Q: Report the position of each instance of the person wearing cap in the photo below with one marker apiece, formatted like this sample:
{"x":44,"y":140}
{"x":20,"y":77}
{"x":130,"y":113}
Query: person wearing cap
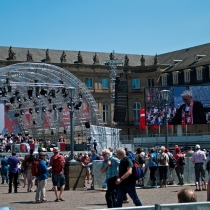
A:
{"x":41,"y":179}
{"x":199,"y":158}
{"x":58,"y":177}
{"x":179,"y":168}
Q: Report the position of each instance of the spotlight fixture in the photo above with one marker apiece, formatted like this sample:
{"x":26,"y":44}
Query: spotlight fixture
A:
{"x":43,"y":92}
{"x":24,"y":98}
{"x":44,"y":109}
{"x":52,"y":93}
{"x":17,"y":92}
{"x":30,"y":93}
{"x":17,"y":114}
{"x":52,"y":132}
{"x":22,"y":112}
{"x":9,"y":88}
{"x":60,"y":109}
{"x":18,"y":98}
{"x":64,"y":131}
{"x":34,"y":122}
{"x":60,"y":81}
{"x":37,"y":110}
{"x":31,"y":111}
{"x":37,"y":92}
{"x":12,"y":100}
{"x":49,"y":100}
{"x":69,"y":105}
{"x":78,"y":105}
{"x":64,"y":92}
{"x":7,"y":80}
{"x":54,"y":107}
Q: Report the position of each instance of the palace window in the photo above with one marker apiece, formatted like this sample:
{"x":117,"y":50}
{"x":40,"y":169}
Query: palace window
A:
{"x":136,"y":108}
{"x":187,"y":76}
{"x":199,"y":73}
{"x":104,"y":83}
{"x":175,"y":78}
{"x":136,"y":83}
{"x":89,"y":82}
{"x":105,"y":113}
{"x":150,"y":82}
{"x":164,"y":80}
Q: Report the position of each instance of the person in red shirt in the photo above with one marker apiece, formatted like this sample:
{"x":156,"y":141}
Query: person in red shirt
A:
{"x":179,"y":168}
{"x":57,"y":162}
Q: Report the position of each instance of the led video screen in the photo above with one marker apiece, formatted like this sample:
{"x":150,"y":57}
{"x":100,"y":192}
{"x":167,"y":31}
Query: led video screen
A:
{"x":185,"y":105}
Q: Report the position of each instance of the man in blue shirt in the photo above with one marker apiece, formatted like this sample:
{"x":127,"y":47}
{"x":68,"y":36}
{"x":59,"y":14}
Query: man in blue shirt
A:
{"x":4,"y":169}
{"x":13,"y":162}
{"x":42,"y":179}
{"x":110,"y":167}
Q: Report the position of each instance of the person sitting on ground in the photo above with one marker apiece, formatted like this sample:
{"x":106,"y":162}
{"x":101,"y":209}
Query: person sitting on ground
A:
{"x":186,"y":195}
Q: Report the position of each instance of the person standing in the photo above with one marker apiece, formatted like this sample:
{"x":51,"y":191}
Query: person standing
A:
{"x":58,"y":178}
{"x":126,"y":182}
{"x":13,"y":162}
{"x":95,"y":144}
{"x":199,"y":158}
{"x":30,"y":178}
{"x":41,"y":179}
{"x":4,"y":169}
{"x":179,"y":167}
{"x":153,"y":166}
{"x":189,"y":152}
{"x":163,"y":160}
{"x":110,"y":167}
{"x":208,"y":169}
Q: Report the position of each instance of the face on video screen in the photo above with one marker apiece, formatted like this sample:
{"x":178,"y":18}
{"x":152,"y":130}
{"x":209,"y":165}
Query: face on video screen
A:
{"x":185,"y":105}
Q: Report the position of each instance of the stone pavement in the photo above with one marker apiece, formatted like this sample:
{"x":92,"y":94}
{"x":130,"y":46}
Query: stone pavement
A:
{"x":87,"y":199}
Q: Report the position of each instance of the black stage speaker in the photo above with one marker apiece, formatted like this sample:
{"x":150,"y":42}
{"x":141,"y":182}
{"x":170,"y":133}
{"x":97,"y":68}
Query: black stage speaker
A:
{"x":120,"y":100}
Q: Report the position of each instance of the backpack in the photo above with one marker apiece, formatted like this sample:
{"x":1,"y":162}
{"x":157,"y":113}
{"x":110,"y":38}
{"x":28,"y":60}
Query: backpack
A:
{"x":172,"y":161}
{"x":57,"y":164}
{"x":181,"y":161}
{"x":140,"y":159}
{"x":35,"y":168}
{"x":137,"y":172}
{"x":208,"y":165}
{"x":162,"y":159}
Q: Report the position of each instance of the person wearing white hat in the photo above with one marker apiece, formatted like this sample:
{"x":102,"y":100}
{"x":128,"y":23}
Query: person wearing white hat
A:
{"x":199,"y":158}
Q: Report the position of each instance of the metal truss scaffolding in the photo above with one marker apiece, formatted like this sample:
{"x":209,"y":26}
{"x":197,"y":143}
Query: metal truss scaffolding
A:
{"x":36,"y":94}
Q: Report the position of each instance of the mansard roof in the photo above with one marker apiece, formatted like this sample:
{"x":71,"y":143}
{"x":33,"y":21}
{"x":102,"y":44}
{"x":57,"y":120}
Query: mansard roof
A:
{"x":71,"y":56}
{"x":186,"y":58}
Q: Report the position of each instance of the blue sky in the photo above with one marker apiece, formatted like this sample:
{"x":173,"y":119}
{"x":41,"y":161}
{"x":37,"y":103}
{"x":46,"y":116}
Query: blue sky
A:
{"x":125,"y":26}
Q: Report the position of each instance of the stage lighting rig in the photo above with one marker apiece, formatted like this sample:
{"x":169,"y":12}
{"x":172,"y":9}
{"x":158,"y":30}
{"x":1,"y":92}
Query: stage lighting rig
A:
{"x":44,"y":109}
{"x":12,"y":100}
{"x":60,"y":109}
{"x":30,"y":93}
{"x":54,"y":107}
{"x":43,"y":92}
{"x":22,"y":112}
{"x":37,"y":92}
{"x":37,"y":110}
{"x":18,"y":99}
{"x":31,"y":111}
{"x":52,"y":93}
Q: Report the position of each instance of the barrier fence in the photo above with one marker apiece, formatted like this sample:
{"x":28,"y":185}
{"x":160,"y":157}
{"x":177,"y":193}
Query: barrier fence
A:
{"x":189,"y":174}
{"x":175,"y":206}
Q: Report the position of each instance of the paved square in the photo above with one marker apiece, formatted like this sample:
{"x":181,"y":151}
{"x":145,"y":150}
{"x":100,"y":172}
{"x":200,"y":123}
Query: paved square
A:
{"x":87,"y":199}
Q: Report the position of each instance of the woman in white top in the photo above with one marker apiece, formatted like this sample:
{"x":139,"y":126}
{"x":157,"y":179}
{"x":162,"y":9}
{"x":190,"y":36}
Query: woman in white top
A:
{"x":163,"y":160}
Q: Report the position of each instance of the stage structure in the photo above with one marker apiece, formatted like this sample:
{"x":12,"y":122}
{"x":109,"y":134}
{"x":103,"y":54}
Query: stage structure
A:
{"x":36,"y":95}
{"x":113,"y":63}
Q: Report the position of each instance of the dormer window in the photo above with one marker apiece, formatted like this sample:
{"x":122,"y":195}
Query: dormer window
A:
{"x":199,"y":57}
{"x":175,"y":62}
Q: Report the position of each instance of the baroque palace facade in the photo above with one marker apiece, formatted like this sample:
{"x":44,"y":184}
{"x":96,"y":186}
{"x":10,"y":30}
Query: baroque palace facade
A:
{"x":182,"y":67}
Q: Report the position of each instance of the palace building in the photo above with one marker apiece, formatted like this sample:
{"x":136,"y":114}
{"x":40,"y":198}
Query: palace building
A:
{"x":189,"y":66}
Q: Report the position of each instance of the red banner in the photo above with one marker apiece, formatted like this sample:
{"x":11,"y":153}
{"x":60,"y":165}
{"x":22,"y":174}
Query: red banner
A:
{"x":142,"y":125}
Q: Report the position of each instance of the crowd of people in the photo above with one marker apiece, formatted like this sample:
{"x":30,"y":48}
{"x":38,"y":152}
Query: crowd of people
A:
{"x":117,"y":166}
